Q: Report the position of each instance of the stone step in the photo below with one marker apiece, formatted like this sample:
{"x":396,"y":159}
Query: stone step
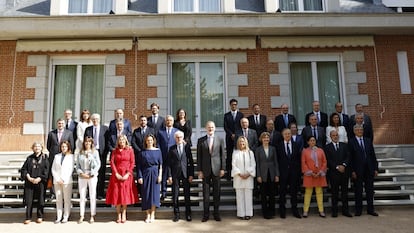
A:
{"x":400,"y":168}
{"x":390,"y":161}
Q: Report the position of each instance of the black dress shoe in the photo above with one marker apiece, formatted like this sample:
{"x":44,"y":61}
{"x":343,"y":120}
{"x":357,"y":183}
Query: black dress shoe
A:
{"x":188,"y":218}
{"x":247,"y":218}
{"x":204,"y":219}
{"x":296,"y":214}
{"x":282,"y":215}
{"x":334,"y":214}
{"x":373,"y":213}
{"x":176,"y":218}
{"x":162,"y":198}
{"x":217,"y":218}
{"x":347,"y":214}
{"x":358,"y":213}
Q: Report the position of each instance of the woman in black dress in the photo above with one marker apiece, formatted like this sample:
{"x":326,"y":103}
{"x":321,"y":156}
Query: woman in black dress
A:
{"x":35,"y":172}
{"x":182,"y":123}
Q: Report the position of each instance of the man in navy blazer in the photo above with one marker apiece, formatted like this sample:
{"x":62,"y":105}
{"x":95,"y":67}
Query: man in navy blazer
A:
{"x":322,"y":118}
{"x":100,"y":134}
{"x":368,"y":131}
{"x":155,"y":121}
{"x":283,"y":120}
{"x":313,"y":129}
{"x":364,"y":169}
{"x":165,"y":140}
{"x":113,"y":135}
{"x":289,"y":159}
{"x":257,"y":121}
{"x":70,"y":124}
{"x":139,"y":135}
{"x":343,"y":118}
{"x":231,"y":125}
{"x":119,"y":115}
{"x":180,"y":169}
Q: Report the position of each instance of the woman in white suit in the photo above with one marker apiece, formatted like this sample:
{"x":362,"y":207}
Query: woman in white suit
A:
{"x":62,"y":170}
{"x":87,"y":168}
{"x":243,"y":173}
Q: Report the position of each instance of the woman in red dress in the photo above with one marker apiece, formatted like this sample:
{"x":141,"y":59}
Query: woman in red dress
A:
{"x":122,"y":190}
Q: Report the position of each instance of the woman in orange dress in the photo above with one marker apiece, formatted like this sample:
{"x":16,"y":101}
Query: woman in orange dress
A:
{"x":122,"y":190}
{"x":314,"y":167}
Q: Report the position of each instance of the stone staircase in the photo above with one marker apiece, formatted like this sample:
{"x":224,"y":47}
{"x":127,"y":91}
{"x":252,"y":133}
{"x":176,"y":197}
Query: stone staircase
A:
{"x":393,"y":186}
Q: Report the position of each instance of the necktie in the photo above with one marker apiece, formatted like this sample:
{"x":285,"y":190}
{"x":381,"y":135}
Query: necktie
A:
{"x":168,"y":133}
{"x":257,"y":120}
{"x":142,"y":131}
{"x":67,"y":124}
{"x":336,"y":146}
{"x":245,"y":132}
{"x":180,"y":150}
{"x":286,"y":120}
{"x":315,"y":134}
{"x":95,"y":137}
{"x":288,"y":150}
{"x":361,"y":143}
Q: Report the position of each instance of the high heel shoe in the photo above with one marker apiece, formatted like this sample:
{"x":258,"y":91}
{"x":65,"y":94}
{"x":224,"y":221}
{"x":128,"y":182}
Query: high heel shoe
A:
{"x":80,"y":220}
{"x":91,"y":220}
{"x":322,"y":214}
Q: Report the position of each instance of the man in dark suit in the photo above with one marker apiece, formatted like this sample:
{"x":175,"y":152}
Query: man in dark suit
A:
{"x":165,"y":140}
{"x":359,"y":109}
{"x":231,"y":125}
{"x":155,"y":121}
{"x":289,"y":159}
{"x":322,"y":118}
{"x":114,"y":135}
{"x":257,"y":121}
{"x":139,"y":135}
{"x":250,"y":134}
{"x":275,"y":136}
{"x":211,"y":162}
{"x":338,"y":157}
{"x":119,"y":115}
{"x":180,"y":169}
{"x":99,"y":133}
{"x":368,"y":131}
{"x":295,"y":136}
{"x":343,"y":118}
{"x":283,"y":120}
{"x":70,"y":124}
{"x":54,"y":138}
{"x":267,"y":175}
{"x":364,"y":169}
{"x":314,"y":130}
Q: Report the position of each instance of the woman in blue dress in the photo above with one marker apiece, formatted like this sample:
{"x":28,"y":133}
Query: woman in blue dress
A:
{"x":149,"y":176}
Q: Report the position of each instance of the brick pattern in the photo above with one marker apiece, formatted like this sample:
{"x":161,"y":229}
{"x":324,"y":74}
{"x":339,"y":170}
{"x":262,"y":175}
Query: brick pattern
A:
{"x":392,"y":126}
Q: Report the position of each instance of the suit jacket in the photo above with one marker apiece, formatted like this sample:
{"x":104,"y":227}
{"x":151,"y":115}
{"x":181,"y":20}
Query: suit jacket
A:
{"x":280,"y":122}
{"x":180,"y":164}
{"x":307,"y":132}
{"x":214,"y":162}
{"x":299,"y":141}
{"x":113,"y":137}
{"x":368,"y":132}
{"x":267,"y":165}
{"x":138,"y":138}
{"x":251,"y":138}
{"x":165,"y":142}
{"x":363,"y":158}
{"x":53,"y":144}
{"x":275,"y":138}
{"x":72,"y":127}
{"x":63,"y":170}
{"x":127,"y":126}
{"x":324,"y":119}
{"x":259,"y":128}
{"x":288,"y":165}
{"x":336,"y":158}
{"x":187,"y":129}
{"x":231,"y":126}
{"x":102,"y":137}
{"x":156,"y":125}
{"x":345,"y":122}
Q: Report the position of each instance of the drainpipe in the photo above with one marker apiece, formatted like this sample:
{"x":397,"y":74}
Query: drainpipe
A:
{"x":135,"y":45}
{"x":12,"y":87}
{"x":378,"y":81}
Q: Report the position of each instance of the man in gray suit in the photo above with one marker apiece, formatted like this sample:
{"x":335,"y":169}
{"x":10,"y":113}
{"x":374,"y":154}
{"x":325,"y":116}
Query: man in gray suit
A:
{"x":313,"y":129}
{"x":212,"y":162}
{"x":250,"y":134}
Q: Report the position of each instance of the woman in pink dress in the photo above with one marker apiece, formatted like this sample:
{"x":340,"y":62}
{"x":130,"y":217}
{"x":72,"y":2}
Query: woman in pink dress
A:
{"x":122,"y":190}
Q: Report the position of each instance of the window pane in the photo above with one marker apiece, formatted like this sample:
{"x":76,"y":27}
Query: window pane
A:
{"x":92,"y":88}
{"x":312,"y":5}
{"x":78,"y":6}
{"x":183,"y":5}
{"x":64,"y":90}
{"x":302,"y":89}
{"x":102,"y":6}
{"x":289,"y":5}
{"x":328,"y":85}
{"x":209,"y":5}
{"x":211,"y":91}
{"x":183,"y":88}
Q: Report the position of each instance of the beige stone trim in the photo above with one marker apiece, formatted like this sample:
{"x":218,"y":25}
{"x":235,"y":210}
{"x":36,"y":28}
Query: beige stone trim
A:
{"x":73,"y":45}
{"x":316,"y":41}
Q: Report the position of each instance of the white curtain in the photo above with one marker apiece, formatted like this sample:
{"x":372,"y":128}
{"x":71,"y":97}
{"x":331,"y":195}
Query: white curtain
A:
{"x":328,"y":85}
{"x":183,"y":5}
{"x":289,"y":5}
{"x":301,"y":89}
{"x":78,"y":6}
{"x":92,"y":88}
{"x":209,"y":5}
{"x":64,"y":90}
{"x":102,"y":6}
{"x":183,"y":88}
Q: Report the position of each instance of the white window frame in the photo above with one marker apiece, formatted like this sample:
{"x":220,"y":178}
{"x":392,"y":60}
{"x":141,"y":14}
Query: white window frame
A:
{"x":79,"y":61}
{"x":301,"y":7}
{"x":197,"y":58}
{"x":196,"y":7}
{"x":90,"y":9}
{"x":322,"y":57}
